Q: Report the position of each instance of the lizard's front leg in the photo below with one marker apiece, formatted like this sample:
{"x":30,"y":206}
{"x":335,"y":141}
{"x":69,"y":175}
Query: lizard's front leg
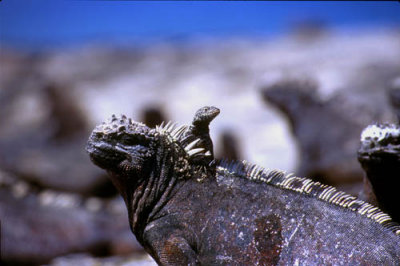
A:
{"x":171,"y":245}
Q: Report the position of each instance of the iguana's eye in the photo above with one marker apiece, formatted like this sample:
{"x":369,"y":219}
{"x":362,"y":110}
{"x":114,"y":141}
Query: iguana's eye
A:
{"x":129,"y":140}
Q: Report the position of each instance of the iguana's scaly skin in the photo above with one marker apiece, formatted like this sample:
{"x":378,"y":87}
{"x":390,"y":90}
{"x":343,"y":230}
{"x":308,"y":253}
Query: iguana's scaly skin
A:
{"x":233,"y":213}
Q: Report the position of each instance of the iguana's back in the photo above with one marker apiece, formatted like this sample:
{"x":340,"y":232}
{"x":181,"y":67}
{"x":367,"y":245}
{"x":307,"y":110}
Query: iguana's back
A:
{"x":237,"y":221}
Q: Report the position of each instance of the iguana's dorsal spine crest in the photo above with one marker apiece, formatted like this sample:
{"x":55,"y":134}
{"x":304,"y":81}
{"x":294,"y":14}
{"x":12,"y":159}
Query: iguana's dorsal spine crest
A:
{"x":308,"y":187}
{"x":173,"y":135}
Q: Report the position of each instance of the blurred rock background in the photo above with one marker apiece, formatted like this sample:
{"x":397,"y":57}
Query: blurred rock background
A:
{"x":296,"y":83}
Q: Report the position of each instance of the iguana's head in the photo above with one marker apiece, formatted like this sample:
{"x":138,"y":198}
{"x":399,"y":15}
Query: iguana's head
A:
{"x":144,"y":163}
{"x":122,"y":147}
{"x":129,"y":151}
{"x":288,"y":94}
{"x":379,"y":142}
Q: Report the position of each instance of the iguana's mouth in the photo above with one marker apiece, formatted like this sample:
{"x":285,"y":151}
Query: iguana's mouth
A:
{"x":105,"y":155}
{"x":379,"y":153}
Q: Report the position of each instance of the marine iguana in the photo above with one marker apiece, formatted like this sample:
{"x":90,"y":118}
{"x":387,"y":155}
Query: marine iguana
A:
{"x":327,"y":136}
{"x":230,"y":146}
{"x":379,"y":155}
{"x":153,"y":115}
{"x":394,"y":96}
{"x":240,"y":214}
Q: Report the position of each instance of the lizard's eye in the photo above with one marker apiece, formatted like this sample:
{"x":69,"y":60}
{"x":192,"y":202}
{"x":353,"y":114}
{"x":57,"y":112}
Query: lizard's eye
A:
{"x":133,"y":140}
{"x":129,"y":140}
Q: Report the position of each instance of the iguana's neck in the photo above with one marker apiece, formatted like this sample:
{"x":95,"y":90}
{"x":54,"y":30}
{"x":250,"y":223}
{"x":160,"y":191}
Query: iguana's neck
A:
{"x":152,"y":194}
{"x":295,"y":109}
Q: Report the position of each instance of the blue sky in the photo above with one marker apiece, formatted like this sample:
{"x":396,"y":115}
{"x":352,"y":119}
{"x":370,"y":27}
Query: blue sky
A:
{"x":30,"y":23}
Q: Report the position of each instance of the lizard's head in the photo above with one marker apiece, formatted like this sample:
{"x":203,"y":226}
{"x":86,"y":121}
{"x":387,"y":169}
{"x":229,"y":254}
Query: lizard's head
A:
{"x":379,"y":142}
{"x":122,"y":146}
{"x":205,"y":115}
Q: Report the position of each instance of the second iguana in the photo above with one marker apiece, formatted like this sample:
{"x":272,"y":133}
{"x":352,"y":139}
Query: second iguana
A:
{"x":233,"y":213}
{"x":379,"y":156}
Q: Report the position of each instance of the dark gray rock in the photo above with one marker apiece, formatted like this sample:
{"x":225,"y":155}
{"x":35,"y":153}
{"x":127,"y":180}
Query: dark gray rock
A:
{"x":88,"y":260}
{"x":39,"y":227}
{"x":45,"y":146}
